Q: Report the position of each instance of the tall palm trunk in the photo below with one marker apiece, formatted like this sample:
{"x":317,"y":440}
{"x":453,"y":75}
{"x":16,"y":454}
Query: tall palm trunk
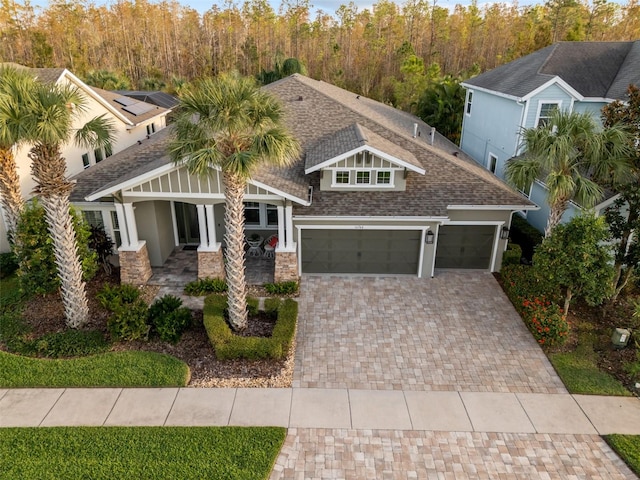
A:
{"x":556,"y":210}
{"x":48,"y":168}
{"x":10,"y":194}
{"x":234,"y":238}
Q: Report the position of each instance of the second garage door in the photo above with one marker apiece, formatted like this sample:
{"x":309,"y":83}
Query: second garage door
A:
{"x":465,"y":246}
{"x":360,"y":251}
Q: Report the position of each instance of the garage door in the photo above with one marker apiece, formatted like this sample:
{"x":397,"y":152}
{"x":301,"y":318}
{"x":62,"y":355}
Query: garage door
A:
{"x":465,"y":246}
{"x":360,"y":251}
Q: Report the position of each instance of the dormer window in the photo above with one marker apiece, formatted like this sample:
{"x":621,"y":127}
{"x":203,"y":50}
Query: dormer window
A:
{"x":363,"y":177}
{"x":342,"y":177}
{"x":384,"y":177}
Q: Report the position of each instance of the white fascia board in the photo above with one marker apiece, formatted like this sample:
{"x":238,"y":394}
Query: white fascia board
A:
{"x":492,"y":92}
{"x":606,"y":203}
{"x":493,"y":207}
{"x":555,"y":81}
{"x":161,"y":114}
{"x":367,"y":148}
{"x":132,"y":182}
{"x":369,"y":218}
{"x":598,"y":100}
{"x":93,"y":94}
{"x":280,"y":193}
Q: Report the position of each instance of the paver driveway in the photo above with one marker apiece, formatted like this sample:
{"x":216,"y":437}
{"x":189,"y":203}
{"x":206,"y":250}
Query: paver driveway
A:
{"x":457,"y":331}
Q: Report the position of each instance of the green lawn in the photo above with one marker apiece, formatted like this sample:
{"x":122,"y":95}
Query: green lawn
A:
{"x":112,"y":369}
{"x":139,"y":453}
{"x":628,"y":447}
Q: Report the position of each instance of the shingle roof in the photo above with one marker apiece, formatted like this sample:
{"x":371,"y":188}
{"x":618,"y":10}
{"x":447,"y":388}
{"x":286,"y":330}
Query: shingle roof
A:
{"x":593,"y":69}
{"x":315,"y":111}
{"x":45,"y":75}
{"x":110,"y":98}
{"x":352,"y":137}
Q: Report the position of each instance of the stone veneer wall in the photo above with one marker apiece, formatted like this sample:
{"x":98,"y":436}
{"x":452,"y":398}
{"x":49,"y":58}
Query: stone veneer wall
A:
{"x":211,"y":264}
{"x":286,"y":267}
{"x":135,"y":267}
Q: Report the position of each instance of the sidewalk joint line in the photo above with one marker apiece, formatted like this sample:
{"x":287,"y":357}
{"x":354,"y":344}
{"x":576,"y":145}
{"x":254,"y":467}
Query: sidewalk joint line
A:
{"x":585,"y":414}
{"x":464,"y":405}
{"x":350,"y":413}
{"x":233,"y":405}
{"x":408,"y":409}
{"x":526,"y":413}
{"x":171,"y":407}
{"x":112,"y":407}
{"x":52,"y":406}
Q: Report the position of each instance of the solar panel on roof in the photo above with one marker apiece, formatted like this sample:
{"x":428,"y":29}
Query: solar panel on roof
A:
{"x":138,"y":108}
{"x":126,"y":101}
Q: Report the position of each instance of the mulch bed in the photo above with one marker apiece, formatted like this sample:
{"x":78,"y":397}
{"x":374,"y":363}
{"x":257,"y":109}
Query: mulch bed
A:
{"x":45,"y":314}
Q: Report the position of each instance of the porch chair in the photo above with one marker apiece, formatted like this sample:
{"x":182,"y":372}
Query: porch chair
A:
{"x":269,"y":246}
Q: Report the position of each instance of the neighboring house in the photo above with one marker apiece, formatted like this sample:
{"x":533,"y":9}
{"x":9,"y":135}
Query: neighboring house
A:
{"x":133,"y":121}
{"x":375,"y":191}
{"x":575,"y":76}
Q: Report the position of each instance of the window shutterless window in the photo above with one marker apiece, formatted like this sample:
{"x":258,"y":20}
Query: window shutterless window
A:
{"x":252,"y":213}
{"x":342,"y":177}
{"x":93,"y":218}
{"x":85,"y":160}
{"x":98,"y":155}
{"x":116,"y":228}
{"x":363,"y":177}
{"x":108,"y":151}
{"x":469,"y":101}
{"x":383,"y":177}
{"x":151,"y":128}
{"x":493,"y":162}
{"x":546,"y":110}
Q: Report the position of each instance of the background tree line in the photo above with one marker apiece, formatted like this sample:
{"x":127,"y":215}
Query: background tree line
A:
{"x":391,"y":52}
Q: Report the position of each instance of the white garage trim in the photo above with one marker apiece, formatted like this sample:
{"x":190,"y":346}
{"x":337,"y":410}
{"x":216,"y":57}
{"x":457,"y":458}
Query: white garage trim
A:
{"x":435,"y":251}
{"x":496,"y":237}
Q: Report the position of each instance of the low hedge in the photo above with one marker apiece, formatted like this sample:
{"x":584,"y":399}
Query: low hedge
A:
{"x":532,"y":299}
{"x":512,"y":255}
{"x":525,"y":235}
{"x":229,"y":346}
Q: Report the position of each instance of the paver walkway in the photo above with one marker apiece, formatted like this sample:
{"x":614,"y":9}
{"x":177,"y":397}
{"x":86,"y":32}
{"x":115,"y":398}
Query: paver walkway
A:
{"x":455,"y":332}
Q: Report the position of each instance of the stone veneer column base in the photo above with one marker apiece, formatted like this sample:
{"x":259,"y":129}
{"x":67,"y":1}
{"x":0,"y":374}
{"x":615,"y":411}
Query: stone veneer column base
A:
{"x":286,"y":267}
{"x":211,"y":264}
{"x":135,"y":267}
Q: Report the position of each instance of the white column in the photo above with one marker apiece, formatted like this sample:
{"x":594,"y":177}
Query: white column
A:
{"x":202,"y":224}
{"x":289,"y":227}
{"x":174,"y":222}
{"x":211,"y":226}
{"x":281,"y":238}
{"x":122,"y":223}
{"x":132,"y":228}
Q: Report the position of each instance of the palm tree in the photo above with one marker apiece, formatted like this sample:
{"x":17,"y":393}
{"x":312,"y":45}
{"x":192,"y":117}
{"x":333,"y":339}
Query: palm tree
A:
{"x":53,"y":111}
{"x":15,"y":86}
{"x":229,"y":123}
{"x":570,"y":154}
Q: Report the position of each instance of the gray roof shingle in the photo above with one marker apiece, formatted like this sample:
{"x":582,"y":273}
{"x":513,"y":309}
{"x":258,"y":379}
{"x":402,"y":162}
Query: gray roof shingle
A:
{"x":316,"y":111}
{"x":593,"y":69}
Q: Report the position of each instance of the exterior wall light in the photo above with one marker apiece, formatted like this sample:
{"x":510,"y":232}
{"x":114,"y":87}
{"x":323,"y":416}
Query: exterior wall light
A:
{"x":504,"y":233}
{"x":430,"y":237}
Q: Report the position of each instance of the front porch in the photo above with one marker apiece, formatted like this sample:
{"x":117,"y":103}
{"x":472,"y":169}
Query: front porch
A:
{"x":181,"y":267}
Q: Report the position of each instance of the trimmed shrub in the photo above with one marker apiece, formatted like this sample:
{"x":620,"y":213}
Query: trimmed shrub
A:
{"x":114,"y":297}
{"x":282,"y":288}
{"x":129,"y":322}
{"x":229,"y":346}
{"x":71,"y":343}
{"x":205,"y":286}
{"x":512,"y":255}
{"x":8,"y":264}
{"x":100,"y":243}
{"x":531,"y":298}
{"x":525,"y":235}
{"x":38,"y":272}
{"x":168,"y":318}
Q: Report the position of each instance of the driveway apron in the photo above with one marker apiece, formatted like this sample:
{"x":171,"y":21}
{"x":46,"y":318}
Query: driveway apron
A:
{"x":455,"y":332}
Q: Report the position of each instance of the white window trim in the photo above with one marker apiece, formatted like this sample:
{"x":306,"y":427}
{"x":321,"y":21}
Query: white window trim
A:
{"x":262,"y":214}
{"x":362,"y":171}
{"x":490,"y":156}
{"x":545,"y":102}
{"x":373,"y":178}
{"x":468,"y":104}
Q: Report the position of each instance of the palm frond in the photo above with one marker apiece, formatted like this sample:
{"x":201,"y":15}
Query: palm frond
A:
{"x":97,"y":132}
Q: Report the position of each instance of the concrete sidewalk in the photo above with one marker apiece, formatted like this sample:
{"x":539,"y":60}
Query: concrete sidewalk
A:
{"x":322,"y":408}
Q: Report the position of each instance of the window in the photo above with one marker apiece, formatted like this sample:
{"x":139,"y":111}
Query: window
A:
{"x":469,"y":100}
{"x":93,"y":218}
{"x":383,"y":177}
{"x":260,"y":215}
{"x":151,"y":128}
{"x":545,"y":112}
{"x":116,"y":228}
{"x":98,"y":154}
{"x":363,"y":177}
{"x":252,"y":213}
{"x":492,"y":164}
{"x":527,"y":191}
{"x":108,"y":151}
{"x":342,"y":177}
{"x":85,"y":160}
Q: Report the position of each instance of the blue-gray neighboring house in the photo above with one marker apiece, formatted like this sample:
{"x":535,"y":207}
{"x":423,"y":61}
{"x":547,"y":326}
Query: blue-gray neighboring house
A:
{"x":574,"y":76}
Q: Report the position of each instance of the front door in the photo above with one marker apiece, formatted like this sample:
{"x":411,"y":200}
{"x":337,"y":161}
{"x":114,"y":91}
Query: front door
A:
{"x":187,"y":220}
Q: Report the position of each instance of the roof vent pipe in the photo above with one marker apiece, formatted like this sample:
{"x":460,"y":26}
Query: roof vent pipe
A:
{"x":415,"y":130}
{"x":433,"y":134}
